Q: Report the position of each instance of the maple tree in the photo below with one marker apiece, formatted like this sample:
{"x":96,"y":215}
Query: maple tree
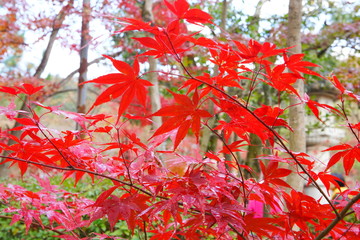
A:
{"x":209,"y":196}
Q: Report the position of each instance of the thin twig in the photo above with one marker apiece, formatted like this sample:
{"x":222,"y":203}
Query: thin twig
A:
{"x":85,"y":171}
{"x":235,"y":158}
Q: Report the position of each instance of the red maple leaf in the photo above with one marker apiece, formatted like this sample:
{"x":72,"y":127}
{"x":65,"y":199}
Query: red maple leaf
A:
{"x":26,"y":89}
{"x":313,"y":105}
{"x":256,"y":52}
{"x":229,"y":127}
{"x":185,"y":114}
{"x":167,"y":41}
{"x":335,"y":81}
{"x":327,"y":178}
{"x":262,"y":226}
{"x":296,"y":65}
{"x":127,"y":207}
{"x":243,"y":122}
{"x":181,"y":9}
{"x":219,"y":81}
{"x":29,"y":89}
{"x":134,"y":24}
{"x":272,"y":173}
{"x":126,"y":85}
{"x":349,"y":154}
{"x":271,"y":116}
{"x":233,"y":147}
{"x":280,"y":80}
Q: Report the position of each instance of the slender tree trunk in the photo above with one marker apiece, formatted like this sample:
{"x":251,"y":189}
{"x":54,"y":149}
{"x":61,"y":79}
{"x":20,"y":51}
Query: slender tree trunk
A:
{"x":224,"y":11}
{"x":254,"y":23}
{"x":208,"y":139}
{"x":84,"y":48}
{"x":297,"y":112}
{"x":154,"y":91}
{"x":148,"y":16}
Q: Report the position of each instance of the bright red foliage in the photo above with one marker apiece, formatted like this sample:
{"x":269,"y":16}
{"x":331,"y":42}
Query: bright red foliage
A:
{"x":167,"y":191}
{"x":127,"y":83}
{"x":184,"y":115}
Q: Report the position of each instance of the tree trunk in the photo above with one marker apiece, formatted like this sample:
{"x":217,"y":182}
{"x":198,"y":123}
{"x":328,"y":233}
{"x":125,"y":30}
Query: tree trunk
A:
{"x":297,"y":112}
{"x":224,"y":10}
{"x":253,"y":25}
{"x":148,"y":16}
{"x":208,"y":139}
{"x":84,"y":48}
{"x":255,"y":149}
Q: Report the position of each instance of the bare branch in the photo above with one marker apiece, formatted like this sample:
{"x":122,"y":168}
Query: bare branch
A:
{"x":80,"y":170}
{"x":96,"y":60}
{"x":59,"y":19}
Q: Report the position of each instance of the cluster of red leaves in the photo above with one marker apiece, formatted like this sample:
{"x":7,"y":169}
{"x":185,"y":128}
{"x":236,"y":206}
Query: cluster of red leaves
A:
{"x":210,"y":197}
{"x":62,"y":209}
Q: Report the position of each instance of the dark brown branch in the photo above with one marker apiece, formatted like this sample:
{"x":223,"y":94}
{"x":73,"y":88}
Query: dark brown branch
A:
{"x":342,"y":214}
{"x":96,"y":60}
{"x":58,"y":21}
{"x":81,"y":170}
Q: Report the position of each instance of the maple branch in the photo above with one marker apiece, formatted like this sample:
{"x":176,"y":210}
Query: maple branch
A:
{"x":53,"y":144}
{"x":272,"y":131}
{"x":235,"y":158}
{"x":281,"y":142}
{"x":70,"y":167}
{"x":85,"y":171}
{"x":177,"y":57}
{"x":58,"y":21}
{"x":96,"y":60}
{"x":106,"y":177}
{"x":340,"y":216}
